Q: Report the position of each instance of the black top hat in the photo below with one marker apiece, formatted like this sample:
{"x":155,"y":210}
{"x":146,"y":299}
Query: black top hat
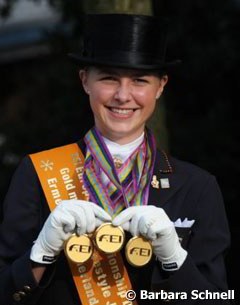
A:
{"x":125,"y":41}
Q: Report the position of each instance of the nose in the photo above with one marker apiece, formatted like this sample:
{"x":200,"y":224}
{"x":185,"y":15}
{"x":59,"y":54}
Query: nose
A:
{"x":123,"y":93}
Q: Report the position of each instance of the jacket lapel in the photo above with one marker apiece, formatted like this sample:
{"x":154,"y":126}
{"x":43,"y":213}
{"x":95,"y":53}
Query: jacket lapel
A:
{"x":82,"y":146}
{"x":165,"y":168}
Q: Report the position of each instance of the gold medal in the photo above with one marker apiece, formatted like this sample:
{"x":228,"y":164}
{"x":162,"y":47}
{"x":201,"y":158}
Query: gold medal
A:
{"x":78,"y":249}
{"x":109,"y":239}
{"x":138,"y":251}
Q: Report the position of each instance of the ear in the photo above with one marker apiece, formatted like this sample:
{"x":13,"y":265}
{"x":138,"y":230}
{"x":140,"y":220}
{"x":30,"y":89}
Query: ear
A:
{"x":83,"y":78}
{"x":163,"y":82}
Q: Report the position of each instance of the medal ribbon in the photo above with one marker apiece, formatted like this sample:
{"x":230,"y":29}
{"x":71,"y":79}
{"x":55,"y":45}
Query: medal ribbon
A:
{"x":128,"y":185}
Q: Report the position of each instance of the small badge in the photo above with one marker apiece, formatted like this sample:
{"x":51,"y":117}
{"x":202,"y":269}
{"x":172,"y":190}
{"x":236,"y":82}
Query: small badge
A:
{"x":117,"y":162}
{"x":164,"y":183}
{"x":155,"y":182}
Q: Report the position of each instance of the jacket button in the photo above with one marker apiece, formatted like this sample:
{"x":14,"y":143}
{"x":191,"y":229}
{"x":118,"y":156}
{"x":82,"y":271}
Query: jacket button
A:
{"x":22,"y":294}
{"x":27,"y":288}
{"x":17,"y":297}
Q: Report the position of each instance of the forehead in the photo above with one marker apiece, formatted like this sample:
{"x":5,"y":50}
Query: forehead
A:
{"x":123,"y":72}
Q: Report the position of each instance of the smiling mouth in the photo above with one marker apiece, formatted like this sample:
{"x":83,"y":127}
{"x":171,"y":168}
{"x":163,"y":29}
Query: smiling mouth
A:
{"x":121,"y":110}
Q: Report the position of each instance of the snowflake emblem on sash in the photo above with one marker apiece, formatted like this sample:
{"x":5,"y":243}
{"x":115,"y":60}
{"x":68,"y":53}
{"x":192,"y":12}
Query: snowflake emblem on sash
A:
{"x":47,"y":165}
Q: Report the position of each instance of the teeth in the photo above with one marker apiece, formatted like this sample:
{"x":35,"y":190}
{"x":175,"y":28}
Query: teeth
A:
{"x":121,"y":111}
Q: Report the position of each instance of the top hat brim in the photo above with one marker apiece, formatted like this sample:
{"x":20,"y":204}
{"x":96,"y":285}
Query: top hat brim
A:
{"x":83,"y":62}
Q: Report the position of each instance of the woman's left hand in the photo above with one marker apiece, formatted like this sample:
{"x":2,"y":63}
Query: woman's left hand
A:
{"x":154,"y":224}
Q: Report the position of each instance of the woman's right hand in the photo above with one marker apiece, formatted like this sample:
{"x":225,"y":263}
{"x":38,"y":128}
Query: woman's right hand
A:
{"x":70,"y":216}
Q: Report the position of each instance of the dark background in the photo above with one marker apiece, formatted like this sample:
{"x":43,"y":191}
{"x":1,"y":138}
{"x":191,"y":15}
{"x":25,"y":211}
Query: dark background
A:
{"x":42,"y":104}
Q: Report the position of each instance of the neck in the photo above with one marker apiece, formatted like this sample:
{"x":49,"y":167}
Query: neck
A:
{"x":129,"y":144}
{"x":121,"y":139}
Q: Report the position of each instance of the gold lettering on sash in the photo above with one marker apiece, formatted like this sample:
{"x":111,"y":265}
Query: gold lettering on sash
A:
{"x":103,"y":279}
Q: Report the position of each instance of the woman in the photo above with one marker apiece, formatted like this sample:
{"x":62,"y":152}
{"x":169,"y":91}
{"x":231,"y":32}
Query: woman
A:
{"x":176,"y":206}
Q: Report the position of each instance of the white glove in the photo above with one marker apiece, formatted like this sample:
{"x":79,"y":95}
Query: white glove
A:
{"x":154,"y":224}
{"x":70,"y":216}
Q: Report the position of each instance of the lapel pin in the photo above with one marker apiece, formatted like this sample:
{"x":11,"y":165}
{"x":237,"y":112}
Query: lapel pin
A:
{"x":155,"y":182}
{"x":164,"y":183}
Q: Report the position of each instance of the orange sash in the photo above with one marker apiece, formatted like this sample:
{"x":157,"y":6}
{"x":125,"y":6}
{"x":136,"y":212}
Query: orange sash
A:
{"x":104,"y":280}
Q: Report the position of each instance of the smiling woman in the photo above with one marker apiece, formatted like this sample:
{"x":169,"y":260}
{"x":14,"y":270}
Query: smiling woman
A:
{"x":116,"y":174}
{"x":122,"y":100}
